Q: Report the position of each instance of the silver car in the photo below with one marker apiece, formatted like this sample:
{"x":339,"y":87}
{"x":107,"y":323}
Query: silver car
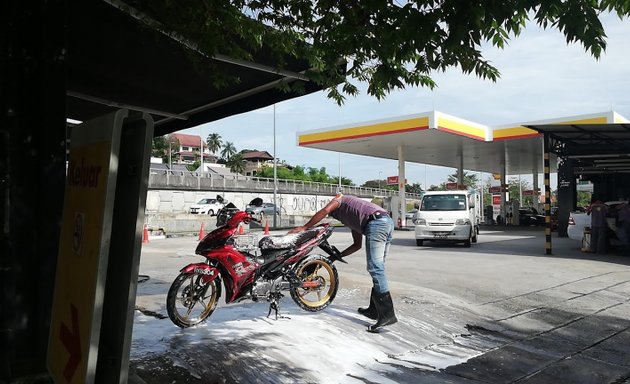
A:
{"x":265,"y":208}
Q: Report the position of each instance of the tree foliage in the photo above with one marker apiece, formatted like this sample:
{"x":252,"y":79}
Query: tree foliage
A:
{"x":387,"y":44}
{"x":382,"y":184}
{"x":471,"y":180}
{"x":160,"y":147}
{"x":236,"y":163}
{"x":318,"y":175}
{"x":228,"y":150}
{"x":214,"y":142}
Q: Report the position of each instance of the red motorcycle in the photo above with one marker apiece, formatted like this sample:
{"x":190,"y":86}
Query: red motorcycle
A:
{"x":253,"y":271}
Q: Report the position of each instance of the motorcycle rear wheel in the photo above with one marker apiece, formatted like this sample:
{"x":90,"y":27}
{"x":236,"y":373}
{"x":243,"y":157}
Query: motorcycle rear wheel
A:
{"x":315,"y":269}
{"x":190,"y":301}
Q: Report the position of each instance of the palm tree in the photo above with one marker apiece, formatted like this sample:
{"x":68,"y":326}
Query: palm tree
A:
{"x":214,"y":142}
{"x":228,"y":150}
{"x":470,"y":179}
{"x":236,"y":163}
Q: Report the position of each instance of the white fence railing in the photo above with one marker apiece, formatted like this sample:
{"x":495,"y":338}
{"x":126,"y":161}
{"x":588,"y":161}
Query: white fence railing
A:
{"x":211,"y":181}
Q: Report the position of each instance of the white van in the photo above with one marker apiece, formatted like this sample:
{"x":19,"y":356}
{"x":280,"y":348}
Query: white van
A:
{"x":447,"y":215}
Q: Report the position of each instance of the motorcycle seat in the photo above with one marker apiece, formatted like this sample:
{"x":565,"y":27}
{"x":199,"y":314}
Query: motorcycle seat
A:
{"x":286,"y":241}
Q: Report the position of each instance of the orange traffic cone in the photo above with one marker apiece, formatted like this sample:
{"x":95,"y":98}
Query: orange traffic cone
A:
{"x":145,"y":235}
{"x":202,"y":232}
{"x":266,"y":226}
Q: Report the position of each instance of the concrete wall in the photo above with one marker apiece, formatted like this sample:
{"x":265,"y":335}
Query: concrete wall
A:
{"x":176,"y":202}
{"x":168,"y":209}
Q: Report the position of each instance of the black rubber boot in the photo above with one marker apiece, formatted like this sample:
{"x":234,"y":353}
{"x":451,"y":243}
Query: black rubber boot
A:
{"x":385,"y":309}
{"x":370,"y":312}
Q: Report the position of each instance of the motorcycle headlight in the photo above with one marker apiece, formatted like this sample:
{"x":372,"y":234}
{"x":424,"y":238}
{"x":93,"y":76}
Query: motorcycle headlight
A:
{"x":462,"y":221}
{"x":419,"y":221}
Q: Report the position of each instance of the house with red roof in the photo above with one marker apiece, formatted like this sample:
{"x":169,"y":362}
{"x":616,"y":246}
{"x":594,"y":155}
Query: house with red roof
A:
{"x":189,"y":149}
{"x":255,"y":160}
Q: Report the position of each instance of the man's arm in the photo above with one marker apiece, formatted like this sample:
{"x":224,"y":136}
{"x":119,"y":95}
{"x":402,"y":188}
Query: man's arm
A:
{"x":317,"y":217}
{"x":356,"y":245}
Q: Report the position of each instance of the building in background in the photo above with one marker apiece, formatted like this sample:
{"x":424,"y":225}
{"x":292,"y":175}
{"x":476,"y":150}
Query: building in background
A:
{"x":190,"y":150}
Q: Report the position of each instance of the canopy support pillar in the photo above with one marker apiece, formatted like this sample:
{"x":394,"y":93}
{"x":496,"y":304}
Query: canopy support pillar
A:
{"x":401,"y":186}
{"x":547,"y":194}
{"x":460,"y":168}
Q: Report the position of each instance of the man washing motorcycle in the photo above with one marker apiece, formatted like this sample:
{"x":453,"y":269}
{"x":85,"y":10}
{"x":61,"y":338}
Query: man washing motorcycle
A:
{"x":365,"y":218}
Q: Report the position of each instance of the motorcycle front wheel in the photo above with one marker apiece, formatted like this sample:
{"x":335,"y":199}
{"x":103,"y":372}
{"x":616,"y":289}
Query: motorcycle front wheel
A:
{"x":318,"y":286}
{"x":190,"y":301}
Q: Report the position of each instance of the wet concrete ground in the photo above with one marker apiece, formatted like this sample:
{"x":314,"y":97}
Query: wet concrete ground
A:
{"x":499,"y":312}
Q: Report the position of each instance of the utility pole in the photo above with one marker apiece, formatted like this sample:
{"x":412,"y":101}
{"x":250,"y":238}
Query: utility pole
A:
{"x":275,"y":170}
{"x":201,"y":152}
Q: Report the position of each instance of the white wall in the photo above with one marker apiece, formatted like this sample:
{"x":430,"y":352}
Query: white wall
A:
{"x":166,"y":201}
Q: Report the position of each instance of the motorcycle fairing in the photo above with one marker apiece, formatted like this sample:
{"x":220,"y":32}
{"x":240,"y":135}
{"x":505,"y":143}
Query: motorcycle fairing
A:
{"x":214,"y":239}
{"x":240,"y":270}
{"x":208,"y":272}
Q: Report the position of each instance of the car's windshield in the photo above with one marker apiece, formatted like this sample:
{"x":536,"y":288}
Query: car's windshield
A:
{"x":443,"y":203}
{"x":206,"y":201}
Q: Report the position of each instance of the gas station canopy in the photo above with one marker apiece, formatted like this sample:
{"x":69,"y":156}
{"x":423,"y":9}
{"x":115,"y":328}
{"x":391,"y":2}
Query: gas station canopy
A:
{"x":439,"y":139}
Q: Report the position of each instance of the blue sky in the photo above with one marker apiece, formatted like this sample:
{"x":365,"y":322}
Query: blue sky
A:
{"x":541,"y":77}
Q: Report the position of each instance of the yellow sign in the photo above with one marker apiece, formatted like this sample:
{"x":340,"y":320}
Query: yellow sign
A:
{"x":496,"y":176}
{"x":79,"y":260}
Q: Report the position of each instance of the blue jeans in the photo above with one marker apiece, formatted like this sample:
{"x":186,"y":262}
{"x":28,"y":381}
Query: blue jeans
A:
{"x":378,"y":236}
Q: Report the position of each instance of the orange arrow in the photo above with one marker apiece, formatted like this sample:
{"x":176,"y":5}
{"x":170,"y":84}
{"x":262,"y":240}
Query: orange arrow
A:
{"x":72,"y":342}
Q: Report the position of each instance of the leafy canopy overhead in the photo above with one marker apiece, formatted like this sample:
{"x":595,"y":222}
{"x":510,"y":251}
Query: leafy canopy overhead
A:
{"x":387,"y":44}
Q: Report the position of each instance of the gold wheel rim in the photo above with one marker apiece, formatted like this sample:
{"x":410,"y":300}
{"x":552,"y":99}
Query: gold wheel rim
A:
{"x":207,"y":308}
{"x":323,"y":295}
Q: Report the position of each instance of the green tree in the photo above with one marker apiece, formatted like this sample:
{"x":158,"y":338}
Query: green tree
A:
{"x":194,"y":166}
{"x":228,"y":150}
{"x":163,"y":147}
{"x":305,"y":174}
{"x":388,"y":44}
{"x":470,"y":179}
{"x":214,"y":142}
{"x":299,"y":173}
{"x":159,"y":147}
{"x":236,"y":163}
{"x":344,"y":181}
{"x":373,"y":184}
{"x":583,"y":199}
{"x":318,"y":175}
{"x":515,"y":192}
{"x":414,"y":188}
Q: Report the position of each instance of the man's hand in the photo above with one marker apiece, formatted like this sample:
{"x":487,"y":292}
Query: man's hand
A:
{"x":297,"y":229}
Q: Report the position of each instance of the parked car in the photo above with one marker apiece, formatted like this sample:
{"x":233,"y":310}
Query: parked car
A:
{"x":265,"y":208}
{"x":578,"y":220}
{"x":410,"y":215}
{"x":206,"y":207}
{"x":529,"y":216}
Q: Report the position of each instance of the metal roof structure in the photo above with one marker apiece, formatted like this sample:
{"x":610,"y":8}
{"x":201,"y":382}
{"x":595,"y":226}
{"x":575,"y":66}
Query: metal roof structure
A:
{"x":116,"y":58}
{"x":596,"y":148}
